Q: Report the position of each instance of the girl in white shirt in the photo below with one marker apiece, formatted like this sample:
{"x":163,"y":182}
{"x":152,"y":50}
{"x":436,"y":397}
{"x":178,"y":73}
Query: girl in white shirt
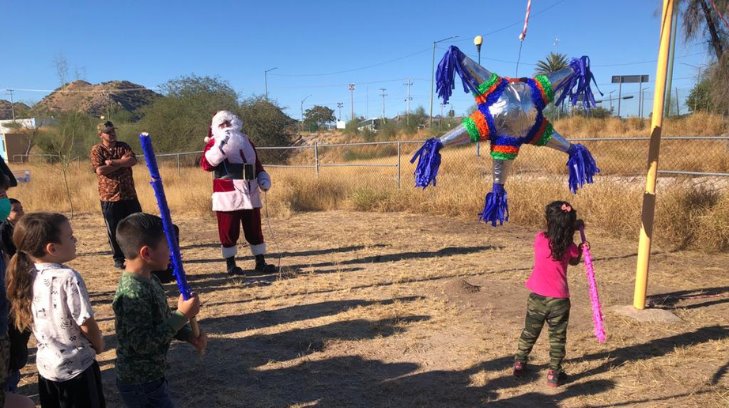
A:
{"x":52,"y":299}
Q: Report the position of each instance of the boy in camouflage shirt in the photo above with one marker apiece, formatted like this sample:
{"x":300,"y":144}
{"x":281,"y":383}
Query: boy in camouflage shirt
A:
{"x":145,"y":325}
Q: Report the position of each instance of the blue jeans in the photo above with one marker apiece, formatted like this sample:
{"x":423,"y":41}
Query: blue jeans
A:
{"x":146,"y":395}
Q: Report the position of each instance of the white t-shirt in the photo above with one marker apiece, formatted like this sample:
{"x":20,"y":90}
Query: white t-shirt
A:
{"x":60,"y":305}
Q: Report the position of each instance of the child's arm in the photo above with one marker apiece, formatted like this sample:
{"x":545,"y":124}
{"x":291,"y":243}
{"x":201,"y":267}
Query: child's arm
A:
{"x":575,"y":261}
{"x":91,"y":330}
{"x":142,"y":332}
{"x":80,"y":310}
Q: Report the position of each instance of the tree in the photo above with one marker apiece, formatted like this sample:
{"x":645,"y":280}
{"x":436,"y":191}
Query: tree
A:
{"x":179,"y":120}
{"x":701,"y":20}
{"x":68,"y":141}
{"x":318,"y":116}
{"x":266,"y":124}
{"x":700,"y":97}
{"x":554,"y":62}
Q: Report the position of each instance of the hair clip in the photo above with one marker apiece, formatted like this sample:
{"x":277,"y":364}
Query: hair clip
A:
{"x":566,"y":208}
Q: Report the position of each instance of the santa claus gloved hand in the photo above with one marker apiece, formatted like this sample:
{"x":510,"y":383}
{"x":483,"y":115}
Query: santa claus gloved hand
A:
{"x":264,"y":181}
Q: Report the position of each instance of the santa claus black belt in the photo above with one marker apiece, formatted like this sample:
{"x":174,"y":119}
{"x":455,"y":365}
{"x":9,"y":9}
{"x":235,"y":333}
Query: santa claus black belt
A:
{"x":235,"y":171}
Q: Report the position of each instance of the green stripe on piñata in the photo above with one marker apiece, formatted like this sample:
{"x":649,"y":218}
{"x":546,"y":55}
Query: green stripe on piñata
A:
{"x":485,"y":86}
{"x":546,"y":136}
{"x":547,"y":86}
{"x":503,"y":156}
{"x":472,"y":129}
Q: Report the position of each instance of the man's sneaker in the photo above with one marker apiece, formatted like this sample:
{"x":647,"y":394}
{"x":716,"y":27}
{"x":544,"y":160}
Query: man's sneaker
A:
{"x":555,"y":379}
{"x":119,"y":263}
{"x":519,"y":368}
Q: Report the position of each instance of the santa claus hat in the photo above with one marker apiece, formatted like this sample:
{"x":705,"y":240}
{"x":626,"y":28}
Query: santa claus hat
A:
{"x":223,"y":116}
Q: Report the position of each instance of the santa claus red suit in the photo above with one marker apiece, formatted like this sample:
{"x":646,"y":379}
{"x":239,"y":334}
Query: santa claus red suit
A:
{"x":239,"y":176}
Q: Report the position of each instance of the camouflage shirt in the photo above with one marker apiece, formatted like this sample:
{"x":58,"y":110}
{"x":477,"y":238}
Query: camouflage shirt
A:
{"x":145,"y":327}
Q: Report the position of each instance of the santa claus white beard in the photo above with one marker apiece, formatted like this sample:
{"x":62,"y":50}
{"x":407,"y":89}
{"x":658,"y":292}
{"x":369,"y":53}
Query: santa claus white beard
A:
{"x":235,"y":138}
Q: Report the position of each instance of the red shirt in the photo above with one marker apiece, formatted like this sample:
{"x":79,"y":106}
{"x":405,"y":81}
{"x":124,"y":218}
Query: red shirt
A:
{"x":549,"y":277}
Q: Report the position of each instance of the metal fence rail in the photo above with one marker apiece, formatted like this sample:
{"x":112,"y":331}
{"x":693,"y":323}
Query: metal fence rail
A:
{"x":691,"y":156}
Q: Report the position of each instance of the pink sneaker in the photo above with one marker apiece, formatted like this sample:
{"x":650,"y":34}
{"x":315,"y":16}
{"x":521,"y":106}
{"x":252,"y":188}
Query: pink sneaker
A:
{"x":555,"y":379}
{"x":519,"y":368}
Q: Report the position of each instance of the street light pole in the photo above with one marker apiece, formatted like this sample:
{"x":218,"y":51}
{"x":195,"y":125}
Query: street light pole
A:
{"x":302,"y":112}
{"x":642,"y":99}
{"x":477,"y":41}
{"x":432,"y":79}
{"x":265,"y":79}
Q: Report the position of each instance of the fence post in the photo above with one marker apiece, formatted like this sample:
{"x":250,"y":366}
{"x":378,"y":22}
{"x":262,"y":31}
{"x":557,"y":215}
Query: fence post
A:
{"x":178,"y":164}
{"x":316,"y":157}
{"x":398,"y":164}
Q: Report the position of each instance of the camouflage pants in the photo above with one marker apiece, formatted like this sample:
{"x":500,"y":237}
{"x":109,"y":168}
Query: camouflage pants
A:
{"x":556,"y":312}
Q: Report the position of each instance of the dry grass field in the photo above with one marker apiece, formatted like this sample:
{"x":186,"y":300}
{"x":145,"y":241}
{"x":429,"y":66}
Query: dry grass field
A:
{"x":401,"y":310}
{"x":399,"y":298}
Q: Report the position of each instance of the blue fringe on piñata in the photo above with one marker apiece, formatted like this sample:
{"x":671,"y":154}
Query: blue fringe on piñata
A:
{"x":578,"y":86}
{"x":428,"y":162}
{"x":448,"y":66}
{"x":581,"y":166}
{"x":495,"y":208}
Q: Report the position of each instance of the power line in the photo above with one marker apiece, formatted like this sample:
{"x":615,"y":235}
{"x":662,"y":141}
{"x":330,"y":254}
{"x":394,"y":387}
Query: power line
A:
{"x":356,"y":69}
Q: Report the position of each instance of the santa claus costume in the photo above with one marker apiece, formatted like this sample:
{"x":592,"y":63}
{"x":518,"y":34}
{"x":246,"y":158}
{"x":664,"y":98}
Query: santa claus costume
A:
{"x":239,"y":176}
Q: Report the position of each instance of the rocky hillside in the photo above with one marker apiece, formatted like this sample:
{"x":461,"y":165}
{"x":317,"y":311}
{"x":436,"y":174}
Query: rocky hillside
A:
{"x":98,"y":99}
{"x":6,"y":109}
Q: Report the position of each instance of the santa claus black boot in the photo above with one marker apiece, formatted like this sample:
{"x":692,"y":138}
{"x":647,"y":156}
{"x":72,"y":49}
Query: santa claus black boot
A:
{"x":233,"y":269}
{"x":263,"y":267}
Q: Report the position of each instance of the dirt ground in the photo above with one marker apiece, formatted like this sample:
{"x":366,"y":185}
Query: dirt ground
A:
{"x":401,"y":310}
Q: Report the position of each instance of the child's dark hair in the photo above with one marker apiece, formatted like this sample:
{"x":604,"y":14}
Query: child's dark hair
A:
{"x":13,"y":201}
{"x":138,"y":230}
{"x":561,"y":222}
{"x":31,"y":235}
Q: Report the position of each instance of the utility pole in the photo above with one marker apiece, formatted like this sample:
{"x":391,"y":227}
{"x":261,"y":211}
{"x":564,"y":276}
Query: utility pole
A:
{"x":12,"y":104}
{"x":671,"y":57}
{"x":351,"y":94}
{"x":610,"y":96}
{"x":678,"y":108}
{"x":408,"y":98}
{"x":432,"y":79}
{"x":383,"y":95}
{"x":339,"y":106}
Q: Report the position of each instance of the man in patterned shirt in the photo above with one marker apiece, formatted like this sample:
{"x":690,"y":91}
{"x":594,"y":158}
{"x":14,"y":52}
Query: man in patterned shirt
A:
{"x":112,"y":162}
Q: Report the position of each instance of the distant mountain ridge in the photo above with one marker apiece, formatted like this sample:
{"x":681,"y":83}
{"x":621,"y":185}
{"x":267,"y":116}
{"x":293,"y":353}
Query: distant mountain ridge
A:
{"x":6,"y":109}
{"x":97,"y":99}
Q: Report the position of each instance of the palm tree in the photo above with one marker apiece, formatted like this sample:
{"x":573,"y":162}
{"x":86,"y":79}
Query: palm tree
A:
{"x":700,"y":19}
{"x":554,"y":62}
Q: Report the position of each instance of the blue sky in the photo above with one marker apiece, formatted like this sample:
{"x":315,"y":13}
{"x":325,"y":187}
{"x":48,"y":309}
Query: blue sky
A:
{"x":318,"y":47}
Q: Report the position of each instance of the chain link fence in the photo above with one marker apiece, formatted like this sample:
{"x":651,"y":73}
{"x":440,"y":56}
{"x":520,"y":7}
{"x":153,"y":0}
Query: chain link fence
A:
{"x":390,"y":161}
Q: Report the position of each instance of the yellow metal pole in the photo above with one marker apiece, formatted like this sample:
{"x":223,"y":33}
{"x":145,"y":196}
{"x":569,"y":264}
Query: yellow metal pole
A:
{"x":649,"y":197}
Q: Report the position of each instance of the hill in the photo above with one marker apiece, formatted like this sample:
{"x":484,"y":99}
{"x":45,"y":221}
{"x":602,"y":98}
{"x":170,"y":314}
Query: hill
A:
{"x":98,"y":99}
